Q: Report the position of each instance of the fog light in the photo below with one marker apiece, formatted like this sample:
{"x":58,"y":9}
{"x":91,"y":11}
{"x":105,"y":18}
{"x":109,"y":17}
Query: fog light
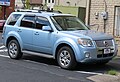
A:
{"x":87,"y":55}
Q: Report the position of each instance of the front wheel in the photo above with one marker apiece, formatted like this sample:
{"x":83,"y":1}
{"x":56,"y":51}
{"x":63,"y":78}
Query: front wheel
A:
{"x":14,"y":50}
{"x":66,"y":58}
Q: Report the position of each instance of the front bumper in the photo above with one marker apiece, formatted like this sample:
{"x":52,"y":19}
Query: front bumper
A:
{"x":95,"y":60}
{"x":97,"y":55}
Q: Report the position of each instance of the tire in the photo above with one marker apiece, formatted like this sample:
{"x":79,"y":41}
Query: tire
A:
{"x":14,"y":50}
{"x":66,"y":58}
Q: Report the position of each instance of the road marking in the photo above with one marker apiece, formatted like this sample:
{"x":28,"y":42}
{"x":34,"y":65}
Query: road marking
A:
{"x":3,"y":50}
{"x":4,"y":56}
{"x":92,"y":73}
{"x":2,"y":47}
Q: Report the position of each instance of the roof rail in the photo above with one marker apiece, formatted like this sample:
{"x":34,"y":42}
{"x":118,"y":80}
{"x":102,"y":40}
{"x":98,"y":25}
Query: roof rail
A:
{"x":37,"y":11}
{"x":26,"y":10}
{"x":49,"y":11}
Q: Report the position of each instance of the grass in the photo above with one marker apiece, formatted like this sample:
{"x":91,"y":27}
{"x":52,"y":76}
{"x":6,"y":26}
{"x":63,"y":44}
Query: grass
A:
{"x":112,"y":72}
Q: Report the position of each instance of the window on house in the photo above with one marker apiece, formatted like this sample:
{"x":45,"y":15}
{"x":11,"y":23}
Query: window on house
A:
{"x":49,"y":1}
{"x":117,"y":22}
{"x":52,"y":1}
{"x":45,"y":1}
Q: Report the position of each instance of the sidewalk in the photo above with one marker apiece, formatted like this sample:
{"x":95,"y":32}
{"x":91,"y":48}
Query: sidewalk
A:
{"x":105,"y":78}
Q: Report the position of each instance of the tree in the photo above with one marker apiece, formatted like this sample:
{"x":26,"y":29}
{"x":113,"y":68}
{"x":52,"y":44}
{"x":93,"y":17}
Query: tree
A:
{"x":28,"y":4}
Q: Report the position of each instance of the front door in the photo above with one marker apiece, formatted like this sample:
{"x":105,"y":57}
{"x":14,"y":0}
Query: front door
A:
{"x":42,"y":40}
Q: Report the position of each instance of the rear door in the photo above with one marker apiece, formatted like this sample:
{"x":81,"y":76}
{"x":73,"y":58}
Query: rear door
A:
{"x":26,"y":30}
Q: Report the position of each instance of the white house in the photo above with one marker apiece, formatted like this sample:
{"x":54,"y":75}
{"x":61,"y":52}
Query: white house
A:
{"x":18,"y":4}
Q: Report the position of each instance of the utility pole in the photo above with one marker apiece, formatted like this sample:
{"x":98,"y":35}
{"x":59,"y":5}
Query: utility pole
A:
{"x":87,"y":18}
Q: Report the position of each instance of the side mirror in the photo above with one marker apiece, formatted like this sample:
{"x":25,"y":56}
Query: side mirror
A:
{"x":47,"y":28}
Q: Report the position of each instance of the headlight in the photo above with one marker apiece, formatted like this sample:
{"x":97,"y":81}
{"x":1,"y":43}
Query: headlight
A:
{"x":85,"y":42}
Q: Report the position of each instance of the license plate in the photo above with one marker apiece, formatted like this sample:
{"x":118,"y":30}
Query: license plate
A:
{"x":107,"y":51}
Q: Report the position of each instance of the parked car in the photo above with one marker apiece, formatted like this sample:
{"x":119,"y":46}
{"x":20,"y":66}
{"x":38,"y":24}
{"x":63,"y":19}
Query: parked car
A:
{"x":55,"y":35}
{"x":2,"y":22}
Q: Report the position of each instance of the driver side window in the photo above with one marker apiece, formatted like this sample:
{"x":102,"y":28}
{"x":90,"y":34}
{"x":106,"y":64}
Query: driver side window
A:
{"x":41,"y":21}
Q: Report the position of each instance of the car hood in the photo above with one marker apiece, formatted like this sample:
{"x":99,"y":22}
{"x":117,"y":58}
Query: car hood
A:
{"x":89,"y":33}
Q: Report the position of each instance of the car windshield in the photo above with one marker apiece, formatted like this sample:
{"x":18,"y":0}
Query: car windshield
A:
{"x":68,"y":23}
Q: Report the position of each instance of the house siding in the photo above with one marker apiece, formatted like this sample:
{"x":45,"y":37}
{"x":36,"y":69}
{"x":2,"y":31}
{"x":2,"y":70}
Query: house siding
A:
{"x":98,"y":6}
{"x":36,"y":2}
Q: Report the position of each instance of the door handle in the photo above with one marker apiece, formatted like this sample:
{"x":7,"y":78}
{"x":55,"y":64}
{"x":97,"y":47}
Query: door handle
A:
{"x":19,"y":30}
{"x":36,"y":33}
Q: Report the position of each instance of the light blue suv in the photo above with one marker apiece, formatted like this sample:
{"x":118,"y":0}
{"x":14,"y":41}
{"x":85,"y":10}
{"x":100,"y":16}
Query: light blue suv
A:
{"x":54,"y":35}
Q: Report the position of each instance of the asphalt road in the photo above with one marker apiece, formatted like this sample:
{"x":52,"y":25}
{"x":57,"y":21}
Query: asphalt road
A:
{"x":33,"y":71}
{"x":38,"y":69}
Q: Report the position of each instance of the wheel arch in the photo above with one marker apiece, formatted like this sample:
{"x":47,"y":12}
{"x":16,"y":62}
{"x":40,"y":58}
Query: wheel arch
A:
{"x":9,"y":39}
{"x":60,"y":46}
{"x":13,"y":35}
{"x":72,"y":45}
{"x":15,"y":38}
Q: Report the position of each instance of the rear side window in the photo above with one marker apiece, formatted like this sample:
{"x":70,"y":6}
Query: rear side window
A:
{"x":28,"y":21}
{"x":13,"y":19}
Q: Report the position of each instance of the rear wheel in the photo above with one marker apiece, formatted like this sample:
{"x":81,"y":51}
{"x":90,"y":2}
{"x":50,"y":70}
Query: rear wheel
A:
{"x":66,"y":58}
{"x":14,"y":50}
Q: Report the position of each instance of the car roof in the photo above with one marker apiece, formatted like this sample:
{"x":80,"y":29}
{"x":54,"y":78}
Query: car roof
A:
{"x":42,"y":13}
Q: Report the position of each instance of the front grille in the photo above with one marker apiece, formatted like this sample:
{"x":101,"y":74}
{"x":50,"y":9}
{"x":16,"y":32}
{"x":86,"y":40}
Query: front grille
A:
{"x":104,"y":55}
{"x":100,"y":43}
